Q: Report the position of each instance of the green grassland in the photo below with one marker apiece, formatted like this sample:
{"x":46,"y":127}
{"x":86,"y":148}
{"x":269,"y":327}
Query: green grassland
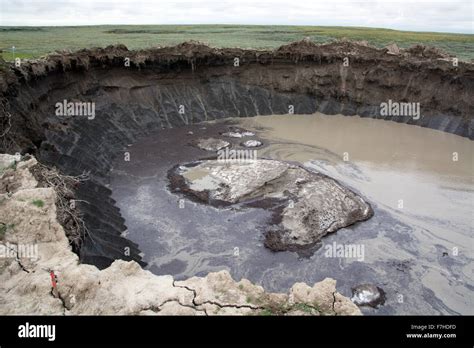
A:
{"x":32,"y":42}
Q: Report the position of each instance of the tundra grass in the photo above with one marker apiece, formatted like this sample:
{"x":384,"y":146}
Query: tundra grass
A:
{"x":31,"y":42}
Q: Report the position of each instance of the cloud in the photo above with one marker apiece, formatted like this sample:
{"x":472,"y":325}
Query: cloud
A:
{"x":424,"y":15}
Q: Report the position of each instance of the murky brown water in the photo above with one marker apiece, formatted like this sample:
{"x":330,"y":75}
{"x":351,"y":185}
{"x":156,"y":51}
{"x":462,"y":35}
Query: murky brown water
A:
{"x":423,"y":177}
{"x":418,"y":246}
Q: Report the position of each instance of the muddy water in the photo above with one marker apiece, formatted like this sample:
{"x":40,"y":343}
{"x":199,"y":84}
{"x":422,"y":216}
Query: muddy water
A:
{"x":418,"y":246}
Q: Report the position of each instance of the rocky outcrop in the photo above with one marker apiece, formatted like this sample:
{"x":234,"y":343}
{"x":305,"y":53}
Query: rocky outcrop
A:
{"x":306,"y":206}
{"x":123,"y":288}
{"x":251,"y":143}
{"x":228,"y":181}
{"x":368,"y":295}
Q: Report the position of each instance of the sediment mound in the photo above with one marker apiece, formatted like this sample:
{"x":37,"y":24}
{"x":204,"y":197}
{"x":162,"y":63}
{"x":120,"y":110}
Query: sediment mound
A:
{"x":306,"y":205}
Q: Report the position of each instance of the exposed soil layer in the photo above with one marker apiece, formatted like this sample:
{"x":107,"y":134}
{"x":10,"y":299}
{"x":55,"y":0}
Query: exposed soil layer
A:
{"x":174,"y":86}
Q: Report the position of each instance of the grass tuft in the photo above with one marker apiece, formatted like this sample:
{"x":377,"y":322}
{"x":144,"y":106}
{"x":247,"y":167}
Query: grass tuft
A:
{"x":38,"y":203}
{"x":33,"y":42}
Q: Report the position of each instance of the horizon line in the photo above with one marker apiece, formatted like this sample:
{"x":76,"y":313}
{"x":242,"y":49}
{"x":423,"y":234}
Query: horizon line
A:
{"x":242,"y":25}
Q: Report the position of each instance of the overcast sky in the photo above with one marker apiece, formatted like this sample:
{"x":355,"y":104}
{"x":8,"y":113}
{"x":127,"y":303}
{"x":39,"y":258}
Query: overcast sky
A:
{"x":423,"y":15}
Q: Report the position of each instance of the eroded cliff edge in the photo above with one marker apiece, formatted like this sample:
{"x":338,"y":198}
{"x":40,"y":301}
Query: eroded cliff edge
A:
{"x":342,"y":77}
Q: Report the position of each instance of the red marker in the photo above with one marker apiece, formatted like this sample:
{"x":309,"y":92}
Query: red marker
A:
{"x":53,"y":279}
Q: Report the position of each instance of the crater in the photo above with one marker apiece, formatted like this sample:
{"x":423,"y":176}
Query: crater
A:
{"x":183,"y":91}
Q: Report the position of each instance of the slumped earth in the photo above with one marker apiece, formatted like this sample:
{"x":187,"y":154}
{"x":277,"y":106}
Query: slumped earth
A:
{"x":417,"y":247}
